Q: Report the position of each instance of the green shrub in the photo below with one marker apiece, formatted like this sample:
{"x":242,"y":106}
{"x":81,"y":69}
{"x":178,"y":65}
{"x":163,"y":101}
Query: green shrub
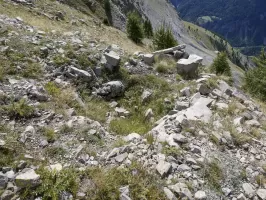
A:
{"x":19,"y":110}
{"x":255,"y":79}
{"x":52,"y":89}
{"x":134,"y":27}
{"x":142,"y":185}
{"x":147,"y":27}
{"x":65,"y":129}
{"x":214,"y":174}
{"x":59,"y":60}
{"x":150,"y":139}
{"x":165,"y":65}
{"x":220,"y":65}
{"x":7,"y":157}
{"x":54,"y":183}
{"x":163,"y":38}
{"x":125,"y":126}
{"x":33,"y":70}
{"x":49,"y":134}
{"x":107,"y":8}
{"x":172,"y":151}
{"x":55,"y":152}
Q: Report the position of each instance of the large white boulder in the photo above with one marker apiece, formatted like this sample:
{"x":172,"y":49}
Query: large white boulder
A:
{"x":112,"y":60}
{"x":189,"y":67}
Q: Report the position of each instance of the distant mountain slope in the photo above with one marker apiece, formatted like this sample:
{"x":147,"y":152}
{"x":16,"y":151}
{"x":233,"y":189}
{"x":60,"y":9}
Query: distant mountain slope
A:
{"x":241,"y":22}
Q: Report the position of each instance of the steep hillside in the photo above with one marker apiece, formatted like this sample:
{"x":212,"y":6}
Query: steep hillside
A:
{"x":241,"y":22}
{"x":85,"y":113}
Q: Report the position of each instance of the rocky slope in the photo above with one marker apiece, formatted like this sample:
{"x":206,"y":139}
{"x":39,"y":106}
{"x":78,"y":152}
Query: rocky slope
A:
{"x":83,"y":118}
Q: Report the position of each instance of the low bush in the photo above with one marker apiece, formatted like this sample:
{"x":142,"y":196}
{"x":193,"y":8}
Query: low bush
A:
{"x":220,"y":65}
{"x":142,"y":185}
{"x":255,"y":79}
{"x":214,"y":174}
{"x":163,"y":37}
{"x":55,"y":182}
{"x":165,"y":65}
{"x":19,"y":110}
{"x":134,"y":27}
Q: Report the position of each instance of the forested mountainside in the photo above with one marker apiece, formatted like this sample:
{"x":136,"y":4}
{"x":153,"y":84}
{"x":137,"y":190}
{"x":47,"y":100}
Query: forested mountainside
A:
{"x":241,"y":22}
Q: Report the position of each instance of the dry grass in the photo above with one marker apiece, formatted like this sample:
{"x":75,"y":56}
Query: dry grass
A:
{"x":101,"y":32}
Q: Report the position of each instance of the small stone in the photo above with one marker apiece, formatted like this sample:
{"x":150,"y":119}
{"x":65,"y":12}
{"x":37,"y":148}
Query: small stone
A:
{"x":226,"y":191}
{"x":261,"y":194}
{"x":253,"y":123}
{"x":195,"y":149}
{"x":3,"y":180}
{"x":131,"y":137}
{"x":200,"y":195}
{"x":149,"y":114}
{"x":169,"y":194}
{"x":241,"y":197}
{"x":113,"y":104}
{"x":2,"y":143}
{"x":163,"y":168}
{"x":185,"y":91}
{"x":56,"y":167}
{"x":248,"y":189}
{"x":10,"y":175}
{"x":182,"y":190}
{"x":203,"y":89}
{"x":113,"y":153}
{"x":27,"y":179}
{"x":29,"y":132}
{"x":239,"y":121}
{"x":179,"y":138}
{"x":120,"y":158}
{"x":183,"y":167}
{"x":146,"y":95}
{"x":7,"y":195}
{"x":121,"y":112}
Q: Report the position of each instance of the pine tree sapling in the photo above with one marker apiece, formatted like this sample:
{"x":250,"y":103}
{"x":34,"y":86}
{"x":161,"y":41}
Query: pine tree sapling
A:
{"x":148,"y":30}
{"x":107,"y":8}
{"x":220,"y":65}
{"x":134,"y":27}
{"x":255,"y":79}
{"x":163,"y":38}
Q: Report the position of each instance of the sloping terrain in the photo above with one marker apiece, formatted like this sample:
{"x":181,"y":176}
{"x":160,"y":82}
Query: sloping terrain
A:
{"x":158,"y":12}
{"x":87,"y":114}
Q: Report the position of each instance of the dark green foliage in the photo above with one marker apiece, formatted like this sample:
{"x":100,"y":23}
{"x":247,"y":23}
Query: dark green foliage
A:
{"x":148,"y":30}
{"x":7,"y":157}
{"x":255,"y":79}
{"x":220,"y":65}
{"x":107,"y":8}
{"x":134,"y":27}
{"x":163,"y":38}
